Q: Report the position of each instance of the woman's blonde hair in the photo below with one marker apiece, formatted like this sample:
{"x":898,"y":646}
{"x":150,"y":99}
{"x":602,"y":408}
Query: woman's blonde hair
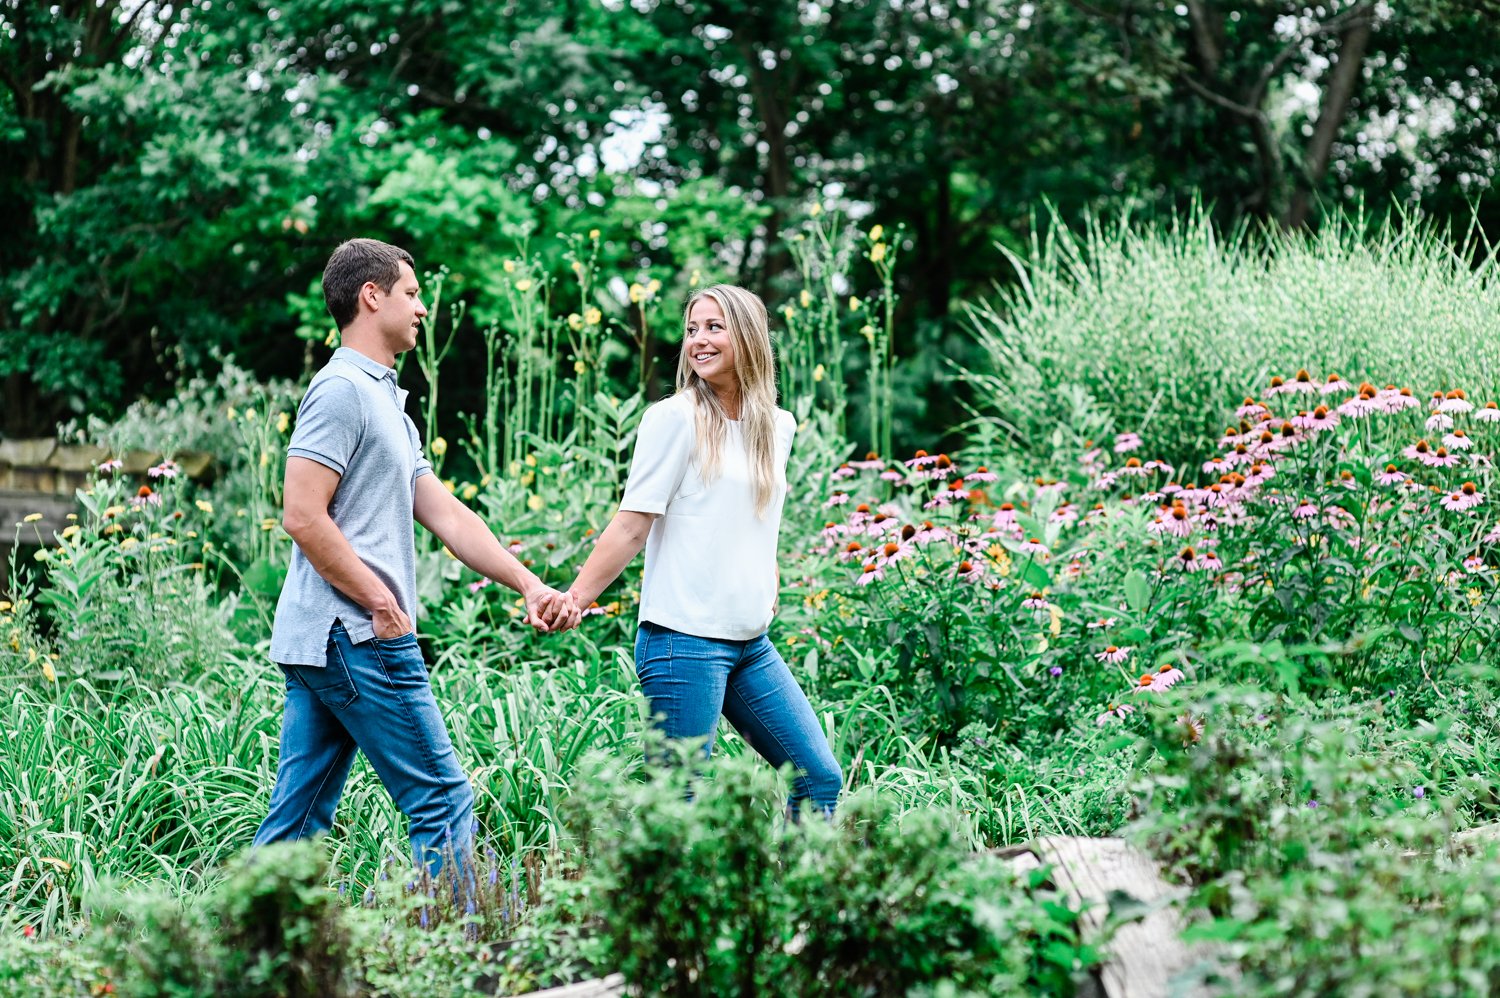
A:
{"x":755,"y":367}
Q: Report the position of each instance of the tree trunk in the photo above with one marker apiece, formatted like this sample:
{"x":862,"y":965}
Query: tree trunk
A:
{"x":1343,"y":81}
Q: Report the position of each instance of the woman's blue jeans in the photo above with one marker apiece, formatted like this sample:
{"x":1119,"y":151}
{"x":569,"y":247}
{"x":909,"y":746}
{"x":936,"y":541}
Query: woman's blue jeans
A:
{"x":372,"y":697}
{"x":690,"y":681}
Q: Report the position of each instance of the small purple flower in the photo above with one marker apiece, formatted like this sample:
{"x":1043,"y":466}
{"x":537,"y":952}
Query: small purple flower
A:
{"x":1312,"y":803}
{"x":370,"y":898}
{"x":1419,"y":792}
{"x":1056,"y":670}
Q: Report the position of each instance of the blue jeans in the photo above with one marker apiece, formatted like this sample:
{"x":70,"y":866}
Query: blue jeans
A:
{"x":690,"y":681}
{"x":372,"y":697}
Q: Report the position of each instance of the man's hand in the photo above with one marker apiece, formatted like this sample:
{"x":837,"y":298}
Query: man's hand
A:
{"x":550,"y":611}
{"x":391,"y":622}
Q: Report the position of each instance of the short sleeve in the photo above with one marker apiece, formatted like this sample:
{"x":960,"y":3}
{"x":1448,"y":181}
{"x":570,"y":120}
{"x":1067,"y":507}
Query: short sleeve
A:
{"x":663,"y":451}
{"x":424,"y":466}
{"x":329,"y":424}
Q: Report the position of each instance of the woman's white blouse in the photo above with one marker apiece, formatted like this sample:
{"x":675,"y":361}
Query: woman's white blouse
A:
{"x":710,"y":561}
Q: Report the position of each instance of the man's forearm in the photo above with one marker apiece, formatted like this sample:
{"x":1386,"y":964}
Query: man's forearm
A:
{"x":332,"y":557}
{"x":476,"y":546}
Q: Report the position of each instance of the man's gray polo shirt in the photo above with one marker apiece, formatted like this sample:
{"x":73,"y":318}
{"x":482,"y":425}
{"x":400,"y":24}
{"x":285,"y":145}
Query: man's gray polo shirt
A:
{"x":352,"y":420}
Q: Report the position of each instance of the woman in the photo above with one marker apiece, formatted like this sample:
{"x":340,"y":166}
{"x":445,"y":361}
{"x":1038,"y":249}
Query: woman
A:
{"x":704,"y":498}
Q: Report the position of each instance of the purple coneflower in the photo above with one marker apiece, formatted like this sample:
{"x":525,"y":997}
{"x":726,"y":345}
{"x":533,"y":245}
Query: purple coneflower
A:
{"x":1167,"y":677}
{"x":837,"y":499}
{"x":1101,"y":623}
{"x":1113,"y":655}
{"x":1489,"y":414}
{"x":922,"y":460}
{"x":1438,"y":422}
{"x":872,"y":462}
{"x":1474,"y":563}
{"x":1033,"y":548}
{"x":1457,"y":440}
{"x":871,"y":573}
{"x":982,"y":474}
{"x":1114,"y":714}
{"x":1391,"y":476}
{"x":892,"y":476}
{"x":1127,"y":442}
{"x":1066,"y":514}
{"x":1305,"y":510}
{"x":113,"y":464}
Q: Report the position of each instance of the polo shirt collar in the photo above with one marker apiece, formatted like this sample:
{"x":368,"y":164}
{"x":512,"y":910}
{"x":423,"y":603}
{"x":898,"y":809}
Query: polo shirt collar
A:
{"x":373,"y":368}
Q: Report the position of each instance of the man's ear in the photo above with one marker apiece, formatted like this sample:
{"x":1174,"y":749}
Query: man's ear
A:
{"x":369,"y":295}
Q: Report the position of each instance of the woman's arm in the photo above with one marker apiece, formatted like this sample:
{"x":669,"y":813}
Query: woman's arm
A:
{"x":621,"y":541}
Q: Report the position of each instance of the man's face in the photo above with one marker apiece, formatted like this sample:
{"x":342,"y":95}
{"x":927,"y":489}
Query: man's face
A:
{"x":401,"y":311}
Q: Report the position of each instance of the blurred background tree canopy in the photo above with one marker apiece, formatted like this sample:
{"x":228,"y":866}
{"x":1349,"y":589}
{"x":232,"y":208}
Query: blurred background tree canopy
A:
{"x":177,"y":174}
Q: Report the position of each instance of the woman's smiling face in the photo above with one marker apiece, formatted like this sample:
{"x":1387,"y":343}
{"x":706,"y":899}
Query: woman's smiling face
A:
{"x":708,"y":345}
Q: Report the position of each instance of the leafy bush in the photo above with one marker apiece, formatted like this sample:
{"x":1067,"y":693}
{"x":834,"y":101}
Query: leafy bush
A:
{"x":698,"y":886}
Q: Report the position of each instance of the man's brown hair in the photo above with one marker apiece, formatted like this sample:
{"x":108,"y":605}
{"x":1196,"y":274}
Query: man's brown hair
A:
{"x":354,"y":264}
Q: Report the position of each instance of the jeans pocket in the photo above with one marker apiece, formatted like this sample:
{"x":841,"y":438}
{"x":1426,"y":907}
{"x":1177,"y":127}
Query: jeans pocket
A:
{"x":332,"y":684}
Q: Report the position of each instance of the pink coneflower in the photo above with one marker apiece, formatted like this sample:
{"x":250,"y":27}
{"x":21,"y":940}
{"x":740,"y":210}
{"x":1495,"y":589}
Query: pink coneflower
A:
{"x":1049,"y":487}
{"x":1319,"y":419}
{"x":842,"y":471}
{"x":1187,"y":560}
{"x":942,"y":468}
{"x":1249,"y":409}
{"x":891,"y":552}
{"x":1435,"y":401}
{"x":870,"y":573}
{"x":1278,"y":385}
{"x":1305,"y":510}
{"x":982,"y":474}
{"x":944,"y":498}
{"x":1211,"y":562}
{"x":1391,"y":476}
{"x":922,"y":460}
{"x":1301,"y":384}
{"x":1438,"y":422}
{"x":1066,"y":514}
{"x":1177,"y":522}
{"x":1005,"y":516}
{"x":1155,"y":465}
{"x":474,"y":587}
{"x":1113,"y":655}
{"x":971,"y":571}
{"x":1335,"y":384}
{"x":1073,"y":570}
{"x":1167,"y":677}
{"x":1096,"y":514}
{"x":892,"y":476}
{"x":144,"y":496}
{"x":1127,"y":442}
{"x":1489,"y":414}
{"x":1455,"y":402}
{"x":1031,"y":547}
{"x":872,"y":462}
{"x":1457,"y":440}
{"x":1114,"y":714}
{"x":1132,"y":466}
{"x":837,"y":499}
{"x":1465,"y":498}
{"x":1393,"y":399}
{"x":1091,"y":458}
{"x":1474,"y":563}
{"x":1036,"y":601}
{"x":167,"y":469}
{"x":1147,"y":684}
{"x":1359,"y":405}
{"x":1106,"y":481}
{"x":1102,"y":623}
{"x":1216,"y":466}
{"x":852,"y":552}
{"x":1419,"y":451}
{"x":1338,"y":517}
{"x":113,"y":464}
{"x":1440,"y":458}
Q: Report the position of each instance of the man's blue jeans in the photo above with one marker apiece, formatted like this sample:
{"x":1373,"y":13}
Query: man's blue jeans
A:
{"x":372,"y":697}
{"x":690,"y":681}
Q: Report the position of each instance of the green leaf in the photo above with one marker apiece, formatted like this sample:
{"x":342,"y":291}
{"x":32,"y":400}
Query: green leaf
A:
{"x":1137,"y":590}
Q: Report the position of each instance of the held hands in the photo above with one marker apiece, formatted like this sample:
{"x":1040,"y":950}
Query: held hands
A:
{"x":552,"y":612}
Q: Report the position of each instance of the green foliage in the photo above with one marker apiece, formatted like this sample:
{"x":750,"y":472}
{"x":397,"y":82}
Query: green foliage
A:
{"x":698,"y":886}
{"x":1165,"y":327}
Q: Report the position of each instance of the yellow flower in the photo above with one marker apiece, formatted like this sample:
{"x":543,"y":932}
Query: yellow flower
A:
{"x":531,"y":460}
{"x":450,"y":485}
{"x":1475,"y":597}
{"x":815,"y":210}
{"x":653,"y":286}
{"x":249,"y":415}
{"x":6,"y":606}
{"x":265,"y":458}
{"x":204,"y":506}
{"x":1001,"y":558}
{"x":332,"y":338}
{"x":876,"y":232}
{"x":637,"y":294}
{"x":592,"y":316}
{"x":69,"y":531}
{"x":528,"y":478}
{"x":229,"y":413}
{"x":48,"y":673}
{"x":696,"y":278}
{"x":32,"y":517}
{"x":789,"y":312}
{"x":535,"y":504}
{"x":439,"y":446}
{"x":593,"y":233}
{"x":868,"y":332}
{"x":470,"y":491}
{"x":128,"y":543}
{"x":283,"y":422}
{"x":877,"y":252}
{"x":523,"y":285}
{"x":577,"y":266}
{"x":805,"y":298}
{"x":819,"y":373}
{"x":268,"y":523}
{"x":854,"y":303}
{"x":484,"y":481}
{"x":579,"y":367}
{"x":509,"y":266}
{"x":42,"y":555}
{"x":113,"y":511}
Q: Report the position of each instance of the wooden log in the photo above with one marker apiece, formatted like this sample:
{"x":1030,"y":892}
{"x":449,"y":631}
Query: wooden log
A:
{"x":30,"y":453}
{"x":612,"y":986}
{"x":1147,"y":957}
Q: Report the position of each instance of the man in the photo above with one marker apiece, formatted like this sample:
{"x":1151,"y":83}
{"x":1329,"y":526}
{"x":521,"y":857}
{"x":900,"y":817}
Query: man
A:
{"x":355,"y":481}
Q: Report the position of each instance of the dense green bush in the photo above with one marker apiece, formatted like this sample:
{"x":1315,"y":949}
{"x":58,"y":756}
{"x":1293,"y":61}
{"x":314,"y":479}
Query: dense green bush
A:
{"x":698,"y":885}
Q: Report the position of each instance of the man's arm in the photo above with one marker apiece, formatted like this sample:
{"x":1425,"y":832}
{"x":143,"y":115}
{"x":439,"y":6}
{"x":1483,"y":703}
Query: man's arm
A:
{"x":309,"y":490}
{"x":621,"y":541}
{"x":466,"y":535}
